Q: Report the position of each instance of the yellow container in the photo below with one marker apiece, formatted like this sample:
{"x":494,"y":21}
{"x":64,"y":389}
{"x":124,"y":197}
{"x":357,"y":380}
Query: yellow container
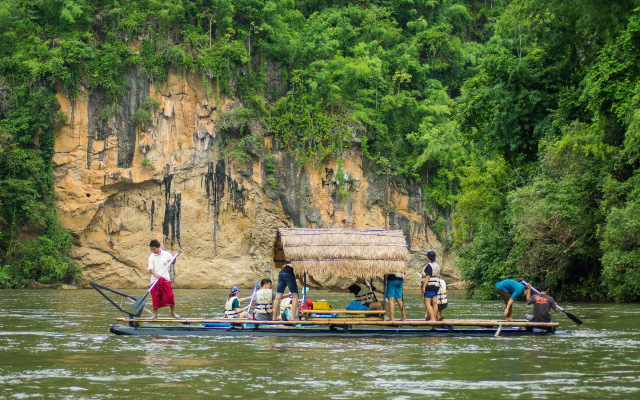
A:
{"x":321,"y":305}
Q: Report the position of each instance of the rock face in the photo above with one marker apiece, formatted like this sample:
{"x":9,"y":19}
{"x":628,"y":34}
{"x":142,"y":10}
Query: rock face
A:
{"x":122,"y":180}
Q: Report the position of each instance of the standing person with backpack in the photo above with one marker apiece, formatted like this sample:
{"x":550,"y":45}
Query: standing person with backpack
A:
{"x":431,"y":285}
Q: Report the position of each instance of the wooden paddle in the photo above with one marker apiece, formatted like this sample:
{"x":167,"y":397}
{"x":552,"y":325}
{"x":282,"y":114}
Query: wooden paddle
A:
{"x":144,"y":308}
{"x":571,"y":316}
{"x":138,"y":306}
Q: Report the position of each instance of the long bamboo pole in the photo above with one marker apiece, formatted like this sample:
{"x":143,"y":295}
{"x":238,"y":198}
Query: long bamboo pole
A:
{"x":355,"y":322}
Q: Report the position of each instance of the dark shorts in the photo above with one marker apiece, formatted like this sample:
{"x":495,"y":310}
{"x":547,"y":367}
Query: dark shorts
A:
{"x":286,"y":279}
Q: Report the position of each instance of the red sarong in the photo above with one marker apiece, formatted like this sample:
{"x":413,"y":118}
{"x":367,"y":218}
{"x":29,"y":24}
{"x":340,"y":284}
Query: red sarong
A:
{"x":162,"y":294}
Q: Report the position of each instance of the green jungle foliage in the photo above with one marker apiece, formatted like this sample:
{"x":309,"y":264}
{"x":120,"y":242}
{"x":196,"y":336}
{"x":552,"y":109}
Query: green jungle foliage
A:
{"x":519,"y":117}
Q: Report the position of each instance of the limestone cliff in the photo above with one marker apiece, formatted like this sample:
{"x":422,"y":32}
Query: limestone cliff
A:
{"x":120,"y":184}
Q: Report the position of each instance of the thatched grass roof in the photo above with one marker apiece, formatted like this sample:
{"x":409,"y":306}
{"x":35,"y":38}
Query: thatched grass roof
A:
{"x":364,"y":253}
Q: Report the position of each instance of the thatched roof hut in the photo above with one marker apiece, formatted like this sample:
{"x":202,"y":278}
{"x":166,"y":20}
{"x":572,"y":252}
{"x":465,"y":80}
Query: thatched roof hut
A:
{"x":364,"y":253}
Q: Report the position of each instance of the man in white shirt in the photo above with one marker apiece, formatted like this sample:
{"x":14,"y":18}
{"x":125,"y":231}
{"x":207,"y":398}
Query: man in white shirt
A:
{"x":158,"y":266}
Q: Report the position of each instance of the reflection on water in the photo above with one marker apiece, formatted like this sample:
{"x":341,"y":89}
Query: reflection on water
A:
{"x":56,"y":345}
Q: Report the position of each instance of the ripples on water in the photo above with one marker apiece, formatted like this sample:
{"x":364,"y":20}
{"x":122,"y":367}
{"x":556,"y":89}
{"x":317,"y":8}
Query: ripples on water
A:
{"x":55,"y":345}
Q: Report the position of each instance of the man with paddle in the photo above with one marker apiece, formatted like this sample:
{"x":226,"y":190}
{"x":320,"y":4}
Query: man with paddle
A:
{"x":542,"y":303}
{"x":569,"y":315}
{"x":160,"y":289}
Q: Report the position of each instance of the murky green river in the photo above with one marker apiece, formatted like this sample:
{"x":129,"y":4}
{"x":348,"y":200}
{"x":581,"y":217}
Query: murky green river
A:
{"x":54,"y":344}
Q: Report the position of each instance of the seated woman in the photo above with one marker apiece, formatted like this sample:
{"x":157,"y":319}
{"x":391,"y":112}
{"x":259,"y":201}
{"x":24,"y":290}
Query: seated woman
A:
{"x":232,"y":307}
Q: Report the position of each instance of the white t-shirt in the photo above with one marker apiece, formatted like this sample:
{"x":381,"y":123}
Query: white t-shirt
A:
{"x":159,"y":262}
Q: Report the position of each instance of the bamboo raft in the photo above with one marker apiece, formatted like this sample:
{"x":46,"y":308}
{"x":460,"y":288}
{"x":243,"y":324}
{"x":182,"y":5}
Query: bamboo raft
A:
{"x":344,"y":253}
{"x":336,"y":326}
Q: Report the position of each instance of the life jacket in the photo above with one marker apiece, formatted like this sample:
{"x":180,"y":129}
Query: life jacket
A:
{"x":264,"y":301}
{"x":442,"y":292}
{"x":229,"y":312}
{"x":365,"y":295}
{"x":285,"y":304}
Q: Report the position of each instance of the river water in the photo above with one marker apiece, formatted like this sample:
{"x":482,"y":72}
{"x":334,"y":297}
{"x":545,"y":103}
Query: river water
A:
{"x":55,"y":344}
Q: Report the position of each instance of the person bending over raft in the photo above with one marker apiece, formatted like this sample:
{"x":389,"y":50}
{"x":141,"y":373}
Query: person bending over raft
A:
{"x":365,"y":296}
{"x":509,"y":290}
{"x":232,"y":307}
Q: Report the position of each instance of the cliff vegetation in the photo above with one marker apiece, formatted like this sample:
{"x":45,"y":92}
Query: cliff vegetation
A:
{"x":519,"y":118}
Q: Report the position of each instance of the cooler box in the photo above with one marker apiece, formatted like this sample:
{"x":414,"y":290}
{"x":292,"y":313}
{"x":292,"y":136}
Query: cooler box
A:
{"x":321,"y":305}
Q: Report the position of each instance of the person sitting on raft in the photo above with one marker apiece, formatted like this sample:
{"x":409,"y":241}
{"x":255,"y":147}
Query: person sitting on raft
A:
{"x":542,"y":304}
{"x":264,"y":301}
{"x":286,"y":306}
{"x":365,"y":296}
{"x":232,"y":307}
